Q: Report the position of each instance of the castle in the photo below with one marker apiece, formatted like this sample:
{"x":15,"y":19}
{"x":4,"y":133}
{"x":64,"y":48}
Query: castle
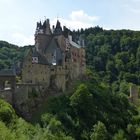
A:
{"x":56,"y":59}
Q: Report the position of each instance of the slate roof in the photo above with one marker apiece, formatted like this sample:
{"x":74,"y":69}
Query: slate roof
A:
{"x":41,"y":59}
{"x":7,"y":72}
{"x":51,"y":44}
{"x":26,"y":52}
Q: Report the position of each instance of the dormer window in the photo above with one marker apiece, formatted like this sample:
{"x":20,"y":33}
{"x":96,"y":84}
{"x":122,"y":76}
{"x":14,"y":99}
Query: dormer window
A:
{"x":34,"y":59}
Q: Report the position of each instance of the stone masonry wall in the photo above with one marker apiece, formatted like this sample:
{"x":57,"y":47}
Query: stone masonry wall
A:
{"x":6,"y":95}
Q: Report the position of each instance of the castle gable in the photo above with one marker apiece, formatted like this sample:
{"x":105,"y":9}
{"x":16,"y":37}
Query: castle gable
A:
{"x":33,"y":56}
{"x":53,"y":52}
{"x":38,"y":58}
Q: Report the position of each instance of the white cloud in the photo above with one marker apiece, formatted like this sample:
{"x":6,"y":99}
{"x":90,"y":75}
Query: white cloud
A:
{"x":82,"y":16}
{"x":77,"y":20}
{"x":73,"y":24}
{"x":21,"y":39}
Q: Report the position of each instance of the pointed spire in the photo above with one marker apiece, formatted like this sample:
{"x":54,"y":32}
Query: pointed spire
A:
{"x":39,"y":25}
{"x":58,"y":25}
{"x":58,"y":29}
{"x":47,"y":29}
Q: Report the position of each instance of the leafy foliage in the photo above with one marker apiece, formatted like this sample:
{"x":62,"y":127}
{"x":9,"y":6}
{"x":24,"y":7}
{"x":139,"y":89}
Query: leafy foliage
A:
{"x":113,"y":54}
{"x":15,"y":128}
{"x":92,"y":105}
{"x":7,"y":113}
{"x":99,"y":132}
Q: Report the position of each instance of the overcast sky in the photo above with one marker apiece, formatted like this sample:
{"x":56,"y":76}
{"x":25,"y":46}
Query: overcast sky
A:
{"x":18,"y":17}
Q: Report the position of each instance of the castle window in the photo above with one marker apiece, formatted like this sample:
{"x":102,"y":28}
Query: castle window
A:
{"x":34,"y":60}
{"x":74,"y":60}
{"x":52,"y":69}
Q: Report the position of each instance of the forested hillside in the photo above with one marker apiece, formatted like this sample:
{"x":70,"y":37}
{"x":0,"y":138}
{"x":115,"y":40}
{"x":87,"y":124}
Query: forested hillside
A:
{"x":114,"y":55}
{"x":10,"y":54}
{"x":98,"y":107}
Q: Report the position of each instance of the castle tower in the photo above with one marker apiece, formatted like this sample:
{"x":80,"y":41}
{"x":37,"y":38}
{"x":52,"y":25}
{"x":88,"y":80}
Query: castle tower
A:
{"x":58,"y":28}
{"x":43,"y":36}
{"x":47,"y":29}
{"x":58,"y":35}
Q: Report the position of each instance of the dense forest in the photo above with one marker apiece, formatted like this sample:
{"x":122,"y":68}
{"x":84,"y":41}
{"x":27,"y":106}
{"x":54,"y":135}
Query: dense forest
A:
{"x":114,"y":55}
{"x":98,"y":107}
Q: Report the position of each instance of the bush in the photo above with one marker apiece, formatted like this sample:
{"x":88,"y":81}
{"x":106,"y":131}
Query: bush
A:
{"x":7,"y":113}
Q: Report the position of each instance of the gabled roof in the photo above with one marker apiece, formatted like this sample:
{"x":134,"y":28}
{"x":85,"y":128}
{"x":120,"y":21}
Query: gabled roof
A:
{"x":53,"y":43}
{"x":41,"y":59}
{"x":27,"y":52}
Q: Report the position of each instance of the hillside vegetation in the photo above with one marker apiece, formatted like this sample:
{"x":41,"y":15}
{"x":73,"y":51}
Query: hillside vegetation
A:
{"x":91,"y":112}
{"x":11,"y":54}
{"x":114,"y":56}
{"x":98,"y":108}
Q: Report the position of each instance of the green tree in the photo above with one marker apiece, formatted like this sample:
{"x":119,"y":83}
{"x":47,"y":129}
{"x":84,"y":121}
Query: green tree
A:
{"x":99,"y":132}
{"x":7,"y":113}
{"x":82,"y":103}
{"x":119,"y":135}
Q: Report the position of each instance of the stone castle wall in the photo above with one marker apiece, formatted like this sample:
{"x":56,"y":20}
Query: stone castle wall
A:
{"x":35,"y":73}
{"x":6,"y":95}
{"x":27,"y":97}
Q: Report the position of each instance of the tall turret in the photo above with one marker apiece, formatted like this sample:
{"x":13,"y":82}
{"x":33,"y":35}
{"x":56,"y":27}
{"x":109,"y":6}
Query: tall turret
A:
{"x":39,"y":28}
{"x":47,"y":29}
{"x":43,"y":35}
{"x":43,"y":28}
{"x":58,"y":28}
